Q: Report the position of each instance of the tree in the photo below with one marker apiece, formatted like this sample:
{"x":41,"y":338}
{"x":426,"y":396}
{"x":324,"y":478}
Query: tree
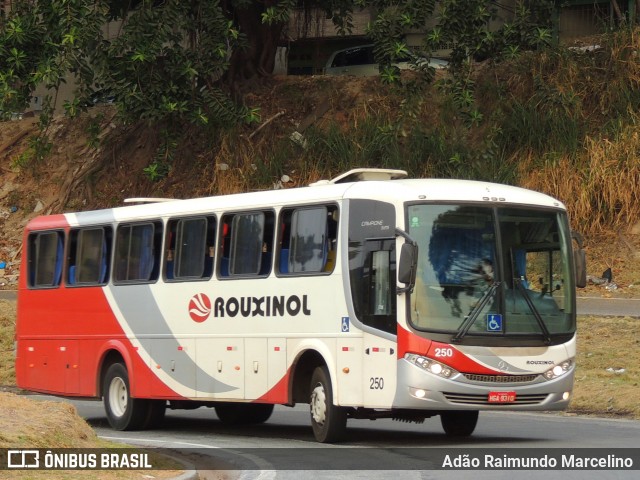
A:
{"x":183,"y":60}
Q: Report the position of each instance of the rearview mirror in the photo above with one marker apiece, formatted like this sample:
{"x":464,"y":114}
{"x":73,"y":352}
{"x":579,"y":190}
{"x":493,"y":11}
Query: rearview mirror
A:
{"x":407,"y":266}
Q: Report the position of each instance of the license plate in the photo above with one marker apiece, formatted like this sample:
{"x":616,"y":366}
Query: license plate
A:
{"x":502,"y":397}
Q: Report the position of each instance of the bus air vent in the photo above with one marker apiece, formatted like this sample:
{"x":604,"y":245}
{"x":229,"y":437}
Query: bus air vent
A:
{"x":501,"y":378}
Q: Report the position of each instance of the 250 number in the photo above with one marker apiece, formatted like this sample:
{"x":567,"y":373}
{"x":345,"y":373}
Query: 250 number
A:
{"x":376,"y":383}
{"x":444,"y":352}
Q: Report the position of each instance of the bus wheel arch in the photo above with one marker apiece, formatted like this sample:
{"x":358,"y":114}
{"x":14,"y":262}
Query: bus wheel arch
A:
{"x":303,"y":368}
{"x":113,"y":352}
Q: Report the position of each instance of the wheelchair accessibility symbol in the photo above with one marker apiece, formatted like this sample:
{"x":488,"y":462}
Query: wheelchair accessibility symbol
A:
{"x":494,"y":322}
{"x":345,"y":324}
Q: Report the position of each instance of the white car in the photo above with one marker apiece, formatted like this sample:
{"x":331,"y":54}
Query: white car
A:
{"x":360,"y":62}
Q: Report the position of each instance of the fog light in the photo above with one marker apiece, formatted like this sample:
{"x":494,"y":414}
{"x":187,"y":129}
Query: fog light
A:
{"x":419,"y":393}
{"x":566,"y":395}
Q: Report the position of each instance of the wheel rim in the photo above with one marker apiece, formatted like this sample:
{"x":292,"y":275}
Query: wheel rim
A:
{"x":318,"y":405}
{"x":118,"y":396}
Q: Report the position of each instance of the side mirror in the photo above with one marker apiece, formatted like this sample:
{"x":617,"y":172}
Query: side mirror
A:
{"x":407,"y":267}
{"x":580,"y":261}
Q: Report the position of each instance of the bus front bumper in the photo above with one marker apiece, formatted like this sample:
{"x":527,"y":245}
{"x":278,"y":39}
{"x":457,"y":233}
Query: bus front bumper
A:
{"x":419,"y":389}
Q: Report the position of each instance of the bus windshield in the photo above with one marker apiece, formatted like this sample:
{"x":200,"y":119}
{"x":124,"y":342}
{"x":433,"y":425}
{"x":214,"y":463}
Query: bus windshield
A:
{"x":482,"y":271}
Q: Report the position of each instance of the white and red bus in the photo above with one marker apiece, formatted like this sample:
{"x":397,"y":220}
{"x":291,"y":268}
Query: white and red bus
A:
{"x":367,"y":296}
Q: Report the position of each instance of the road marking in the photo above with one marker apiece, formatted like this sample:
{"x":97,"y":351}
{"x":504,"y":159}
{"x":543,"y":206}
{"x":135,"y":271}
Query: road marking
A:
{"x":266,"y":470}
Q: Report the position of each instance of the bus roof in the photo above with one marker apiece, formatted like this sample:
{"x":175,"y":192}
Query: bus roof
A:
{"x":393,"y":191}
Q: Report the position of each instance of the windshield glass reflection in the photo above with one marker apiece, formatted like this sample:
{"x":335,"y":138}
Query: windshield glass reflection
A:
{"x":465,"y":250}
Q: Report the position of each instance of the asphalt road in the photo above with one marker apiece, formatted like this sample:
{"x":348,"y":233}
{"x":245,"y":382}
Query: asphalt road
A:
{"x":284,"y":445}
{"x":609,"y":307}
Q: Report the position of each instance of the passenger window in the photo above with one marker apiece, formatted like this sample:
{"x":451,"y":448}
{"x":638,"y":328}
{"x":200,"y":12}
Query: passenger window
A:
{"x":89,"y":255}
{"x":46,"y":255}
{"x":137,"y":252}
{"x":247,"y":244}
{"x":190,"y":248}
{"x":308,"y":240}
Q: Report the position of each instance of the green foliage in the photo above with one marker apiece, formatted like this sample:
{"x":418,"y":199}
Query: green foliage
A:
{"x":93,"y":131}
{"x":39,"y":147}
{"x":424,"y":150}
{"x":177,"y":62}
{"x":156,"y":171}
{"x":166,"y":63}
{"x":464,"y":25}
{"x":160,"y":167}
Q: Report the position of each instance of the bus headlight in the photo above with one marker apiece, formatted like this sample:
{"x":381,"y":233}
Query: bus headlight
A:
{"x":431,"y":366}
{"x":558,"y":370}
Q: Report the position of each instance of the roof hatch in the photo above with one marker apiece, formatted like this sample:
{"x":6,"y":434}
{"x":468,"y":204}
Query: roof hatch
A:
{"x":148,"y":200}
{"x":364,"y":174}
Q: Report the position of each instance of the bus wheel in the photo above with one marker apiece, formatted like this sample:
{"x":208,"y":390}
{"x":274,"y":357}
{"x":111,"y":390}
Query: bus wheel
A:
{"x":258,"y":412}
{"x":155,"y":413}
{"x":229,"y":413}
{"x":459,"y":423}
{"x":243,"y":413}
{"x":123,"y":412}
{"x":329,"y":422}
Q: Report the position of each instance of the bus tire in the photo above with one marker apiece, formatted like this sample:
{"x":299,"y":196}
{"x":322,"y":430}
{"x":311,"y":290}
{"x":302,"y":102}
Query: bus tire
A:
{"x":459,"y":423}
{"x":259,"y":412}
{"x":123,"y":411}
{"x":243,"y":413}
{"x":328,"y":421}
{"x":156,"y":410}
{"x":229,"y":413}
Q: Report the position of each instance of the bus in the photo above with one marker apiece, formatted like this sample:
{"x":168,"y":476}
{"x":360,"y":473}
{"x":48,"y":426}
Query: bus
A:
{"x":368,"y":296}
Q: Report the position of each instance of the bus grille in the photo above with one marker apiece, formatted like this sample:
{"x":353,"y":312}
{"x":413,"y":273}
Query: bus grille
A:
{"x":500,"y":378}
{"x":484,"y":400}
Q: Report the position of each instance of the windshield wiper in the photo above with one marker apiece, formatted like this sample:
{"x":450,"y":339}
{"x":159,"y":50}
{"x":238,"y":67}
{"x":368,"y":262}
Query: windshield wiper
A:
{"x":475,"y":312}
{"x":534,"y":310}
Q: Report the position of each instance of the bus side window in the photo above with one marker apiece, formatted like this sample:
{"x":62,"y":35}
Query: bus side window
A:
{"x":309,"y":240}
{"x":89,"y":256}
{"x":46,"y":256}
{"x":251,"y":243}
{"x":137,"y":252}
{"x":189,"y":246}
